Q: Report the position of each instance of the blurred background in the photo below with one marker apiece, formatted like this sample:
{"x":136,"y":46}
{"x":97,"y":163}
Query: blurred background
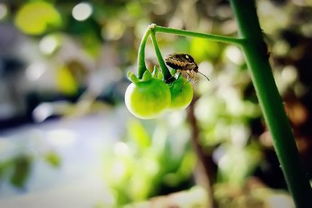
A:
{"x":67,"y":140}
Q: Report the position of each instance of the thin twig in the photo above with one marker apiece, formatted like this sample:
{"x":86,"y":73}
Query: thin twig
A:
{"x":205,"y":161}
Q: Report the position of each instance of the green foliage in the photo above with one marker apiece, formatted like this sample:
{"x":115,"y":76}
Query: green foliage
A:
{"x":17,"y":168}
{"x":138,"y":133}
{"x":237,"y":163}
{"x":144,"y":163}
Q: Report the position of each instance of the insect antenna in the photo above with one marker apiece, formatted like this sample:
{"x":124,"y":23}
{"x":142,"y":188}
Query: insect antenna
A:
{"x":204,"y":75}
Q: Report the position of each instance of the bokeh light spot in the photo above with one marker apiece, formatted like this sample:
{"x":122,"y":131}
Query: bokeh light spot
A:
{"x":35,"y":71}
{"x":289,"y":74}
{"x":234,"y":54}
{"x":49,"y":44}
{"x":82,"y":11}
{"x":114,"y":30}
{"x":3,"y":11}
{"x":42,"y":112}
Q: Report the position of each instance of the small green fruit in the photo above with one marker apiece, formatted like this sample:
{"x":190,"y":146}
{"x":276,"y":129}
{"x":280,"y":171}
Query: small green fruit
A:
{"x":181,"y":93}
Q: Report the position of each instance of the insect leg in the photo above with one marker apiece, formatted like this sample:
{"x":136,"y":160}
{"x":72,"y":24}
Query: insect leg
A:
{"x":189,"y":75}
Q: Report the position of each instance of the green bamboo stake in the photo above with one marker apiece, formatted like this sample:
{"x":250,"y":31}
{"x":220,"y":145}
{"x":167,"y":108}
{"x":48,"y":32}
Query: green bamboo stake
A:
{"x":270,"y":101}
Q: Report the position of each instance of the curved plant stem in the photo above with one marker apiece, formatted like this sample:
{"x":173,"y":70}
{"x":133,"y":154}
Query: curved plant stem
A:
{"x":167,"y":76}
{"x":255,"y":51}
{"x":152,"y":29}
{"x":217,"y":38}
{"x":141,"y":56}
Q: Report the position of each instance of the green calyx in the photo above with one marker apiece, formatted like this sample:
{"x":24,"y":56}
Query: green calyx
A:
{"x":147,"y":76}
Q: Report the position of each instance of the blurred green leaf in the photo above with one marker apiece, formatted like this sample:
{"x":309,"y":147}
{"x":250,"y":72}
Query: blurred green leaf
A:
{"x":66,"y":81}
{"x":37,"y":17}
{"x":187,"y":165}
{"x":4,"y":168}
{"x":138,"y":134}
{"x":53,"y":159}
{"x":237,"y":163}
{"x":21,"y":171}
{"x":134,"y":8}
{"x":91,"y":44}
{"x":203,"y":50}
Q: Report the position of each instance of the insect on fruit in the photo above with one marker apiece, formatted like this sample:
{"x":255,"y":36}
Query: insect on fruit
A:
{"x":185,"y":64}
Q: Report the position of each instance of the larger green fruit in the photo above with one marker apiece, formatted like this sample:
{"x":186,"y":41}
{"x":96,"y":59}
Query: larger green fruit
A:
{"x":147,"y":99}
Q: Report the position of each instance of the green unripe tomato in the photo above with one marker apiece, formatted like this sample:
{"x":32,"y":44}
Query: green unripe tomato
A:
{"x":181,"y":93}
{"x":147,"y":99}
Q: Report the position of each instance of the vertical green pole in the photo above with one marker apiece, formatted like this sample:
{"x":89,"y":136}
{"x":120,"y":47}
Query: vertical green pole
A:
{"x":255,"y":52}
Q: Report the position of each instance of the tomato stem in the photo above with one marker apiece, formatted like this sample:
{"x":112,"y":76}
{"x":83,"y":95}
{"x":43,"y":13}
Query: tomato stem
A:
{"x":270,"y":101}
{"x":141,"y":56}
{"x":167,"y":75}
{"x":217,"y":38}
{"x":153,"y":28}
